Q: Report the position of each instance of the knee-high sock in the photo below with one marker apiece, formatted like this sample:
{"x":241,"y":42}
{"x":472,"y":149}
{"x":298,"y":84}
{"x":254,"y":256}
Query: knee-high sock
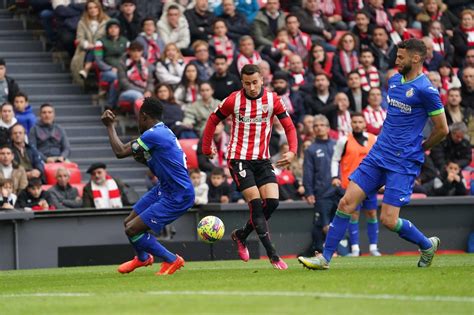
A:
{"x":354,"y":232}
{"x":260,"y":226}
{"x":269,"y":206}
{"x":373,"y":231}
{"x":147,"y":243}
{"x":336,"y":232}
{"x":409,"y":232}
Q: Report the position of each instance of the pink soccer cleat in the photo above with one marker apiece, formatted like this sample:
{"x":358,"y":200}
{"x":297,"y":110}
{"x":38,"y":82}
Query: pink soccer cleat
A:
{"x":279,"y":264}
{"x":241,"y":248}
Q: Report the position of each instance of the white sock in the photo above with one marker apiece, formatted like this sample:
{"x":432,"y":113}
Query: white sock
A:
{"x":373,"y":247}
{"x":355,"y":248}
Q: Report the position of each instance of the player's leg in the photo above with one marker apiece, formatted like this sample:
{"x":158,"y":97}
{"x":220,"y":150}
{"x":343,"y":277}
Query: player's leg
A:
{"x":354,"y":233}
{"x":398,"y":191}
{"x":370,"y":207}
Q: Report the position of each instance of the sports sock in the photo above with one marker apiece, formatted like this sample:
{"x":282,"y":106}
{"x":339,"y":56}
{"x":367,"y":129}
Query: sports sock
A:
{"x":373,"y":231}
{"x":269,"y":206}
{"x":354,"y":232}
{"x":409,"y":232}
{"x":336,"y":232}
{"x":148,"y":243}
{"x":260,"y":226}
{"x":141,"y":254}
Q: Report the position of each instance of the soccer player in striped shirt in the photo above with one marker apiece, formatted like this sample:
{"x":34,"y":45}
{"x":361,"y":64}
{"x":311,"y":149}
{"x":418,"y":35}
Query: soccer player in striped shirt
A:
{"x":252,"y":110}
{"x":396,"y":157}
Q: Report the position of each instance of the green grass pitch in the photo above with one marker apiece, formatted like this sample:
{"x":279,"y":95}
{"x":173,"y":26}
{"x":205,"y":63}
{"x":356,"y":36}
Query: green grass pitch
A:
{"x":365,"y":285}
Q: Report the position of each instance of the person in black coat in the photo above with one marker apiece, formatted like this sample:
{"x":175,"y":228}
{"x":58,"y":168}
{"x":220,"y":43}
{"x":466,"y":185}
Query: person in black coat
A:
{"x":293,"y":100}
{"x":455,"y":148}
{"x":200,"y":21}
{"x":8,"y":87}
{"x":130,"y":21}
{"x":321,"y":97}
{"x":222,"y":80}
{"x":358,"y":98}
{"x":237,"y":25}
{"x":172,"y":113}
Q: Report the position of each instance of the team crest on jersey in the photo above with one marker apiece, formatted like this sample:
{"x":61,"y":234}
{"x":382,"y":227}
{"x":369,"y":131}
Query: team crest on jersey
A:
{"x":265,"y":108}
{"x":410,"y":92}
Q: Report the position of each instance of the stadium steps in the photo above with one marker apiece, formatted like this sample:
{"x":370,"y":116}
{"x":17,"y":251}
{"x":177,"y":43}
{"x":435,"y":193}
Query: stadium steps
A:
{"x":47,"y":81}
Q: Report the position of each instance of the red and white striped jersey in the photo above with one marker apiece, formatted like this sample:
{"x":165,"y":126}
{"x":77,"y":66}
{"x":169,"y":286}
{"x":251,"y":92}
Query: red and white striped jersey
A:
{"x":252,"y":121}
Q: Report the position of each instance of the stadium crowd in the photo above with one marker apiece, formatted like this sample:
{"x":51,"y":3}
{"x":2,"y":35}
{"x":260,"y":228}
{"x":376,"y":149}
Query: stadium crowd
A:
{"x":326,"y":59}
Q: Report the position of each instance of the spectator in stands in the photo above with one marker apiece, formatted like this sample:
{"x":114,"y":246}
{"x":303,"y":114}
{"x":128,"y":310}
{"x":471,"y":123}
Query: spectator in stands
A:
{"x":378,"y":15}
{"x":268,"y":21}
{"x":468,"y":88}
{"x":283,"y":49}
{"x":129,"y":19}
{"x":400,"y":31}
{"x":200,"y":21}
{"x":374,"y":114}
{"x":220,"y":142}
{"x":433,"y":58}
{"x":152,"y":44}
{"x":317,"y":181}
{"x":63,"y":195}
{"x":247,"y":53}
{"x":135,"y":75}
{"x":384,"y":51}
{"x":91,"y":27}
{"x":219,"y":189}
{"x":67,"y":15}
{"x":340,"y":117}
{"x":346,"y":59}
{"x":357,"y":96}
{"x":26,"y":155}
{"x":49,"y":138}
{"x":196,"y":114}
{"x":34,"y":197}
{"x":463,"y":36}
{"x":321,"y":96}
{"x":170,"y":68}
{"x":8,"y":197}
{"x":332,"y":10}
{"x":436,"y":10}
{"x":455,"y":148}
{"x":424,"y":181}
{"x":173,"y":27}
{"x":172,"y":113}
{"x":369,"y":75}
{"x":103,"y":191}
{"x":222,"y":81}
{"x":314,"y":23}
{"x":300,"y":40}
{"x":202,"y":61}
{"x":10,"y":170}
{"x":441,"y":42}
{"x":8,"y":87}
{"x":455,"y":113}
{"x":236,"y":21}
{"x":467,"y":62}
{"x":187,"y":90}
{"x":24,"y":112}
{"x":149,"y":8}
{"x":299,"y":77}
{"x":7,"y":120}
{"x":319,"y":60}
{"x":201,"y":189}
{"x":220,"y":44}
{"x":449,"y":80}
{"x":350,"y":8}
{"x":307,"y":132}
{"x":363,"y":29}
{"x":293,"y":100}
{"x":450,"y":182}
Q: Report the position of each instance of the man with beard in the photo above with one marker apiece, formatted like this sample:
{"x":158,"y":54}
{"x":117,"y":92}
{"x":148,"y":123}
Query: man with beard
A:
{"x":396,"y":158}
{"x":293,"y":100}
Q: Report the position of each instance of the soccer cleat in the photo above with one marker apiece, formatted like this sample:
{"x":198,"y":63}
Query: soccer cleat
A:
{"x":375,"y":253}
{"x":241,"y":247}
{"x":427,"y":255}
{"x":135,"y":263}
{"x":170,"y":268}
{"x":318,"y":262}
{"x":279,"y":264}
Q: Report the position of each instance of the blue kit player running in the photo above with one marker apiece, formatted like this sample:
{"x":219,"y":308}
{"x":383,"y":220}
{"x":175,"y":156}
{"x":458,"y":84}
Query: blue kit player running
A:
{"x":158,"y":148}
{"x":396,"y":157}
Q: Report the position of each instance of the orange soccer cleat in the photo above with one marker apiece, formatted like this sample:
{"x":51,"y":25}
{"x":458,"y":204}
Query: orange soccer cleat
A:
{"x":170,"y":268}
{"x":135,"y":263}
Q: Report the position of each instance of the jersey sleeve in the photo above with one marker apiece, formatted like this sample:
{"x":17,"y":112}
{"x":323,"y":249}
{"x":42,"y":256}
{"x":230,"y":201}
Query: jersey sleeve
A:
{"x":279,"y":109}
{"x":148,"y":140}
{"x":432,"y":101}
{"x":225,"y":108}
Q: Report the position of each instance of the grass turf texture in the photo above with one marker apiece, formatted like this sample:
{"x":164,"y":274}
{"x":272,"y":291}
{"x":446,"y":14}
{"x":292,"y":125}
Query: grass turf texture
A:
{"x":365,"y":285}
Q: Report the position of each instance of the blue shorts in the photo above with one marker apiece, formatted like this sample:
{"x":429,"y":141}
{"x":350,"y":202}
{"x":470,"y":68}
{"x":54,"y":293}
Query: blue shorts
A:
{"x":157,"y":209}
{"x":370,"y":177}
{"x":370,"y":203}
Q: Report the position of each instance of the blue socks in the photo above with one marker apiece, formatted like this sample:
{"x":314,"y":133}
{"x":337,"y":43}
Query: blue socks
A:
{"x":145,"y":243}
{"x":354,"y":232}
{"x":336,"y":232}
{"x":373,"y":231}
{"x":409,"y":232}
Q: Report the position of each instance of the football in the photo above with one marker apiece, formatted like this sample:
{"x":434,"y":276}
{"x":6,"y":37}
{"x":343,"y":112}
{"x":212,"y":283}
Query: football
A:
{"x":210,"y":229}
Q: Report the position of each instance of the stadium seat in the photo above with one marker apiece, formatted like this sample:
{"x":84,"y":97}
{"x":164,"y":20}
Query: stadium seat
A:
{"x":188,"y":59}
{"x":189,"y":147}
{"x":50,"y":172}
{"x":415,"y":32}
{"x":136,"y":107}
{"x":393,"y":11}
{"x":125,"y":106}
{"x":336,"y":38}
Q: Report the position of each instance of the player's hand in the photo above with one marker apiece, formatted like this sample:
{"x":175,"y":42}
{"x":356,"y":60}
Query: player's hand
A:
{"x":108,"y":118}
{"x":213,"y":153}
{"x":336,"y":182}
{"x":311,"y":199}
{"x":286,"y":159}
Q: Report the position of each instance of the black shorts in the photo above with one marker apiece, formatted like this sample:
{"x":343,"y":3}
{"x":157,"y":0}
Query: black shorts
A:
{"x":248,"y":173}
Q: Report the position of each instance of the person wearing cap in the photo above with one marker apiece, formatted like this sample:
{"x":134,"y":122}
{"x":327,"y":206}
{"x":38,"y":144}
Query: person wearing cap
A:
{"x":103,"y":191}
{"x":8,"y":87}
{"x":108,"y":51}
{"x":34,"y":197}
{"x":129,"y":19}
{"x":293,"y":99}
{"x":9,"y":169}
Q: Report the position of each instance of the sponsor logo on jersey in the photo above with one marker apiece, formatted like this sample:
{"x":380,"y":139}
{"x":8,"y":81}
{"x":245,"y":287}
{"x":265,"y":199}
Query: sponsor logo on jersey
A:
{"x":410,"y":92}
{"x":244,"y":119}
{"x":404,"y":108}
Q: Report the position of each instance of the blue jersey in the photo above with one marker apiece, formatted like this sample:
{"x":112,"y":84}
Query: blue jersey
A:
{"x":166,"y":160}
{"x":398,"y":147}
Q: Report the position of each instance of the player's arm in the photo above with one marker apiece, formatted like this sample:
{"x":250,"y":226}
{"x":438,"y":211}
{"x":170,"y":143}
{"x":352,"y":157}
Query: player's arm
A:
{"x":221,"y":113}
{"x":435,"y":111}
{"x":290,"y":132}
{"x":121,"y":150}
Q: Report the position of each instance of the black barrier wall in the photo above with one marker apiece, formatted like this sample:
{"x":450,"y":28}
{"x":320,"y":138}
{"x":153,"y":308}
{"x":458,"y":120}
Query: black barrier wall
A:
{"x":93,"y":237}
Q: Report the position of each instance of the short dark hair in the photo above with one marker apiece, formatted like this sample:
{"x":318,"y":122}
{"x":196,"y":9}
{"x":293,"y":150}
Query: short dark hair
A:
{"x":21,"y":94}
{"x":400,"y":16}
{"x":46,"y":105}
{"x":194,"y":171}
{"x":148,"y":18}
{"x":153,"y":107}
{"x":200,"y":84}
{"x":455,"y":89}
{"x":219,"y":19}
{"x":135,"y":45}
{"x":217,"y":171}
{"x":414,"y":45}
{"x":290,"y":16}
{"x":323,"y":74}
{"x":249,"y":69}
{"x":173,"y":7}
{"x":366,"y":50}
{"x":220,"y":56}
{"x":2,"y":62}
{"x":379,"y":28}
{"x":5,"y":181}
{"x":357,"y":114}
{"x":353,"y":72}
{"x":363,"y":12}
{"x":6,"y":146}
